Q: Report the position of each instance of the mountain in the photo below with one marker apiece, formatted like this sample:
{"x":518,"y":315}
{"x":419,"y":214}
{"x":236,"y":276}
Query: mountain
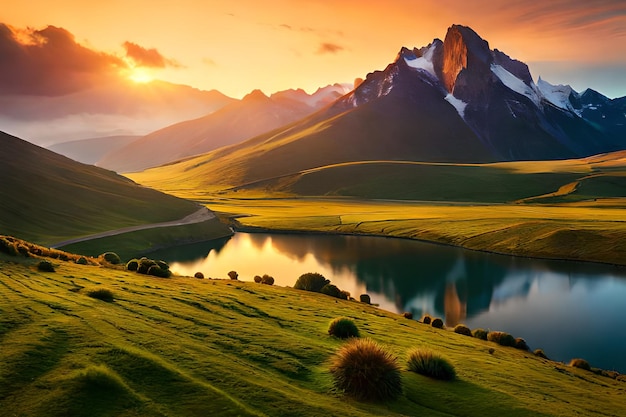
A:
{"x":115,"y":108}
{"x":90,"y":151}
{"x":48,"y":197}
{"x":256,"y":113}
{"x":452,"y":101}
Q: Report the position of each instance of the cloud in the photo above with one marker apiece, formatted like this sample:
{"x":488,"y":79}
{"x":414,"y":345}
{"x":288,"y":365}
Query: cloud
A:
{"x":329,"y":48}
{"x":49,"y":62}
{"x":147,"y":57}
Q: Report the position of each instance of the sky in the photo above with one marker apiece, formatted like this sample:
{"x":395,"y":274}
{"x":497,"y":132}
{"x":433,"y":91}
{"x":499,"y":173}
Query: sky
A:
{"x":236,"y":46}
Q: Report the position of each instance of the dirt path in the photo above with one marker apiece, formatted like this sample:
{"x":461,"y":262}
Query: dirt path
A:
{"x":199,"y":216}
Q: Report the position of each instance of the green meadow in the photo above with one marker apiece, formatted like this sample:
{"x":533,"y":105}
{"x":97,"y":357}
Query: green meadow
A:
{"x":185,"y":346}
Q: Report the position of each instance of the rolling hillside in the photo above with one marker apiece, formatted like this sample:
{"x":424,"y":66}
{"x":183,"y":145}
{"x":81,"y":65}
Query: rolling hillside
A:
{"x":46,"y":197}
{"x":185,"y":346}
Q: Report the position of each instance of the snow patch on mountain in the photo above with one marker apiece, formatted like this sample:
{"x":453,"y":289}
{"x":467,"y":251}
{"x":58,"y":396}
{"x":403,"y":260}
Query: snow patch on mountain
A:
{"x":459,"y":105}
{"x":557,"y":95}
{"x":424,"y":62}
{"x":515,"y":83}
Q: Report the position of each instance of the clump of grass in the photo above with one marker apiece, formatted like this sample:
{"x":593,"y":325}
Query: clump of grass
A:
{"x":365,"y":298}
{"x":501,"y":338}
{"x":521,"y":344}
{"x":331,"y":290}
{"x":45,"y":266}
{"x":580,"y":363}
{"x":343,"y":328}
{"x":198,"y":275}
{"x":437,"y":323}
{"x":8,"y":247}
{"x":428,"y":363}
{"x":407,"y":315}
{"x":366,"y":371}
{"x":462,"y":329}
{"x":426,"y":319}
{"x":540,"y":353}
{"x":480,"y":334}
{"x":103,"y":294}
{"x":82,"y":261}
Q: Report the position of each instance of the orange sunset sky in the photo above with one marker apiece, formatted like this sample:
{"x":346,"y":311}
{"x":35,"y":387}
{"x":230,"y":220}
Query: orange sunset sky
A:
{"x":236,"y":46}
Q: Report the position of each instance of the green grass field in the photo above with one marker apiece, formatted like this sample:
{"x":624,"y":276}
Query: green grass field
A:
{"x":183,"y":346}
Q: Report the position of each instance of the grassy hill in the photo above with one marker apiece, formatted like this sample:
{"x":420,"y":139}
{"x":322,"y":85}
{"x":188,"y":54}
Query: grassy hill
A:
{"x":184,"y":346}
{"x":46,"y":197}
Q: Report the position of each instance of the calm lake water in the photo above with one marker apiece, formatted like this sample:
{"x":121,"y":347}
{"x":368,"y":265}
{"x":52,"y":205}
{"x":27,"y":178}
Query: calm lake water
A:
{"x":568,"y":309}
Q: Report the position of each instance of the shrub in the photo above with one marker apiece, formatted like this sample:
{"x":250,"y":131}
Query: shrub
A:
{"x":198,"y":275}
{"x":365,"y":298}
{"x":428,"y":363}
{"x":157,"y":271}
{"x":480,"y":334}
{"x":23,"y":250}
{"x":330,"y":289}
{"x":233,"y":275}
{"x":82,"y":261}
{"x":521,"y":344}
{"x":426,"y":319}
{"x":462,"y":329}
{"x":311,"y":281}
{"x":344,"y":295}
{"x":112,"y":258}
{"x":501,"y":338}
{"x":144,"y":265}
{"x":438,"y":323}
{"x":343,"y":328}
{"x":267,"y":279}
{"x":132,"y":265}
{"x":366,"y":371}
{"x":163,"y":264}
{"x":407,"y":315}
{"x":540,"y":353}
{"x":258,"y":279}
{"x":8,"y":247}
{"x":45,"y":266}
{"x":580,"y":363}
{"x":101,"y":294}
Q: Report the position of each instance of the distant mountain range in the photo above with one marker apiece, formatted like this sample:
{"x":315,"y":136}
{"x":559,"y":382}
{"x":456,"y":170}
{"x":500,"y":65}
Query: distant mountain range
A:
{"x":451,"y":101}
{"x":256,"y":113}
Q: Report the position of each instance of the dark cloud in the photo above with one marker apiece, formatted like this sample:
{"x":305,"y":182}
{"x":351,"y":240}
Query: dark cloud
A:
{"x":49,"y":62}
{"x":329,"y":48}
{"x":147,"y":57}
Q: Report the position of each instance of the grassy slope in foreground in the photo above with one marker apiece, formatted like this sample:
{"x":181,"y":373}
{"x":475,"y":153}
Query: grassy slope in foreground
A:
{"x":183,"y":346}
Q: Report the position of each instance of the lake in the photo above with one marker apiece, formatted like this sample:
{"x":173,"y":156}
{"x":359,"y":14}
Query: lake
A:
{"x":568,"y":309}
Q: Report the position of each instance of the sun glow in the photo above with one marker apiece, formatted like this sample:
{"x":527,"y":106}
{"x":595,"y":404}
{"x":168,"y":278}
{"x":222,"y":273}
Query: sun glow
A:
{"x":140,"y":75}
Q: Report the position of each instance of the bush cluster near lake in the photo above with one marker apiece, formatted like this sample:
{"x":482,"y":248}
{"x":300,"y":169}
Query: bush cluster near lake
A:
{"x":149,"y":267}
{"x":13,"y":246}
{"x":265,"y":279}
{"x":316,"y":282}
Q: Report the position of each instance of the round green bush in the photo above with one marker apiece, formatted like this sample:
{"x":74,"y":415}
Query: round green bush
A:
{"x":438,"y":323}
{"x":198,"y":275}
{"x":426,"y":319}
{"x":407,"y":315}
{"x":501,"y":338}
{"x":101,"y":294}
{"x":462,"y":329}
{"x":365,"y":298}
{"x":267,"y":280}
{"x":480,"y":334}
{"x":311,"y":281}
{"x":343,"y":328}
{"x":163,"y":264}
{"x":258,"y":279}
{"x":82,"y":261}
{"x":156,"y":271}
{"x":428,"y":363}
{"x":45,"y":266}
{"x":132,"y":265}
{"x":233,"y":275}
{"x":344,"y":295}
{"x":540,"y":353}
{"x":330,"y":289}
{"x":112,"y":258}
{"x":144,"y":265}
{"x":521,"y":344}
{"x":8,"y":247}
{"x":580,"y":363}
{"x":366,"y":371}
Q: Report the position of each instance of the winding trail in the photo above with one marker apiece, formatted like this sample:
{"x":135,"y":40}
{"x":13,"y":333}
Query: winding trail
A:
{"x":202,"y":215}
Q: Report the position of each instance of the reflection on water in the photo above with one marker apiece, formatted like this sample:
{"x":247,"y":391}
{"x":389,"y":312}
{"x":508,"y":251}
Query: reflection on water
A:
{"x":568,"y":309}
